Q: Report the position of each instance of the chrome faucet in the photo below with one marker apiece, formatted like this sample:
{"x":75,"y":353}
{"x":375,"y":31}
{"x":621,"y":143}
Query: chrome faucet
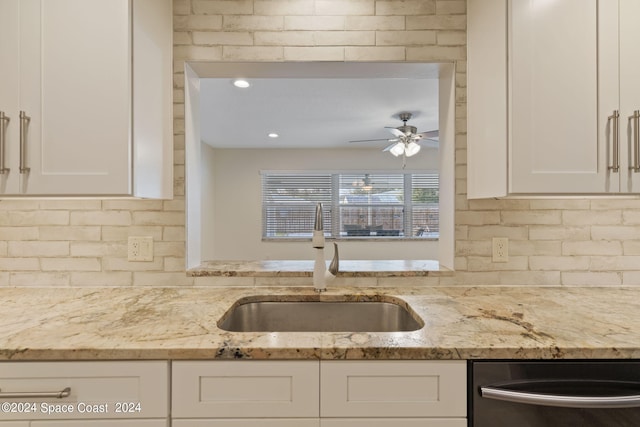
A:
{"x":322,"y":275}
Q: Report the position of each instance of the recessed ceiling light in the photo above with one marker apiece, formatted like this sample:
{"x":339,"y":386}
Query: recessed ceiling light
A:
{"x":273,"y":135}
{"x":241,"y":83}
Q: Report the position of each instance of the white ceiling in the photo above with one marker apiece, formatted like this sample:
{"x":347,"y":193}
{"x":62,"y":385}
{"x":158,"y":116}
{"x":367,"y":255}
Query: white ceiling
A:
{"x":313,"y":112}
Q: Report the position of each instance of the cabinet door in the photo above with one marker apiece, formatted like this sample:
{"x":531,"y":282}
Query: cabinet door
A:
{"x":245,"y":389}
{"x":629,"y":90}
{"x":399,"y":388}
{"x":117,"y":390}
{"x":100,"y":423}
{"x":554,"y":123}
{"x":10,"y":65}
{"x":77,"y":90}
{"x":240,"y":422}
{"x":394,"y":422}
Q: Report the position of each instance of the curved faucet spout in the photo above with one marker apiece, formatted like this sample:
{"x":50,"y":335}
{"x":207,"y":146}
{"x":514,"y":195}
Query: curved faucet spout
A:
{"x":334,"y":267}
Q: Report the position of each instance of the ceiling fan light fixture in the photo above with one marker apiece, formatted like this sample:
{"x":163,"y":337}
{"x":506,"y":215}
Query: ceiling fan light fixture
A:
{"x":412,"y":148}
{"x":398,"y":149}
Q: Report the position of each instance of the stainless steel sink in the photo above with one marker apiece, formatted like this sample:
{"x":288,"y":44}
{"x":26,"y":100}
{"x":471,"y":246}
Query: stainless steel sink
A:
{"x":319,"y":316}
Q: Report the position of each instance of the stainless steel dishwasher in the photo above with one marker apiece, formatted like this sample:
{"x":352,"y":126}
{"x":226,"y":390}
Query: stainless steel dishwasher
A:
{"x":554,"y":393}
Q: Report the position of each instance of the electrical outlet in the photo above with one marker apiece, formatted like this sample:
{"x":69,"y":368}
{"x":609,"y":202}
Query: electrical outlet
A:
{"x":500,"y":249}
{"x":140,"y":248}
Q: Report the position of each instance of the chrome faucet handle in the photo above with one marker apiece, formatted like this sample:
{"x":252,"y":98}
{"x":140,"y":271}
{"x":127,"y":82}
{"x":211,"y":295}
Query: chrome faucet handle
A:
{"x":335,"y":262}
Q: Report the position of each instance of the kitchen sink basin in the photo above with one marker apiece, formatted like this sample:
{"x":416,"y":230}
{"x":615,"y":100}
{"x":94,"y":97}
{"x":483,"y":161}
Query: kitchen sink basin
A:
{"x":319,"y":316}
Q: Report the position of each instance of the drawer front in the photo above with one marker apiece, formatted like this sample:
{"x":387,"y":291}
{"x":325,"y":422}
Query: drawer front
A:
{"x":393,"y":388}
{"x":100,"y":423}
{"x":97,"y":390}
{"x":394,"y":422}
{"x":275,"y":422}
{"x":245,"y":389}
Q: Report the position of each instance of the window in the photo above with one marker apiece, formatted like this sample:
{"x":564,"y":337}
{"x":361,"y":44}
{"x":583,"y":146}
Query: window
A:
{"x":356,"y":205}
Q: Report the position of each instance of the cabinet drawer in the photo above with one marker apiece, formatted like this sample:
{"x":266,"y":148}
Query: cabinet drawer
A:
{"x":394,"y":422}
{"x":97,"y":390}
{"x":99,"y":423}
{"x":239,"y":389}
{"x":275,"y":422}
{"x":393,"y":388}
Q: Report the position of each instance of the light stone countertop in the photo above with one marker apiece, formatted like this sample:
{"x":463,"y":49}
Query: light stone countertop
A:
{"x":304,"y":268}
{"x":180,"y":323}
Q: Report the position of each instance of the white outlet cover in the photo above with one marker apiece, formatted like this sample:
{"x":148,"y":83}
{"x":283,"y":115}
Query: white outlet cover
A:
{"x":140,"y":248}
{"x":500,"y":249}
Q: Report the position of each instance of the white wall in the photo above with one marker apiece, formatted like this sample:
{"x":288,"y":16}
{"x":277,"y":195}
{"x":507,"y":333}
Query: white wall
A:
{"x":237,"y":220}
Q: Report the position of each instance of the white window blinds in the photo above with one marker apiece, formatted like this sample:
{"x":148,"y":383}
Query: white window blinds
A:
{"x":362,"y":205}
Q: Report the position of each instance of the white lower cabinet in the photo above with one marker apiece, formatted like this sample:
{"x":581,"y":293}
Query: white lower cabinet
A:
{"x":312,"y":393}
{"x":101,"y":423}
{"x":87,"y":423}
{"x":259,"y":422}
{"x":245,"y":389}
{"x":88,"y":394}
{"x":394,"y":422}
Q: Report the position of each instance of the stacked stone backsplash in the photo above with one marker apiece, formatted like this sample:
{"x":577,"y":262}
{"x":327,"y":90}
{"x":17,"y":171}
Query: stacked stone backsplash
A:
{"x":552,"y":242}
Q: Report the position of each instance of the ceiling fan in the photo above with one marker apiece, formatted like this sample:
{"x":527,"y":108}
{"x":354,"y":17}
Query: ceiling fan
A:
{"x":406,"y":138}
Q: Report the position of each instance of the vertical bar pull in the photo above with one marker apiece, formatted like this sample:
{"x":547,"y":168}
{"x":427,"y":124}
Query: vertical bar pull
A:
{"x":3,"y":131}
{"x":615,"y":167}
{"x":24,"y":124}
{"x":636,"y":141}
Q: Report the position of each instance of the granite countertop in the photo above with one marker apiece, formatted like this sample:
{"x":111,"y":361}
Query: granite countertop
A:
{"x":180,"y":323}
{"x":304,"y":268}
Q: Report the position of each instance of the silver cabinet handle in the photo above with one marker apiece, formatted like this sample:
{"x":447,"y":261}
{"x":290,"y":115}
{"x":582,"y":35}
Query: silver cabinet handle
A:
{"x":615,"y":167}
{"x":24,"y":123}
{"x":560,"y":400}
{"x":36,"y":394}
{"x":636,"y":141}
{"x":3,"y":131}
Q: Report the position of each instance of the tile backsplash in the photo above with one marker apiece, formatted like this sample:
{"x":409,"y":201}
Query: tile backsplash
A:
{"x":552,"y":242}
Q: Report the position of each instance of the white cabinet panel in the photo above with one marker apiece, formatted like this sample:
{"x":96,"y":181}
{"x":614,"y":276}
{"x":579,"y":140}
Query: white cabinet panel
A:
{"x":245,"y":389}
{"x":486,"y":98}
{"x":629,"y":91}
{"x":14,"y":423}
{"x":100,"y":423}
{"x":96,"y":125}
{"x":341,"y":394}
{"x":9,"y":91}
{"x":81,"y":116}
{"x":572,"y":86}
{"x":554,"y":97}
{"x":393,"y":389}
{"x":261,"y":422}
{"x":394,"y":422}
{"x":117,"y":390}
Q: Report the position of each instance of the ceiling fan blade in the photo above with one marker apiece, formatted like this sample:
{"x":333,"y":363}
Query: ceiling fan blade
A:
{"x":396,"y":132}
{"x":431,"y":134}
{"x":371,"y":140}
{"x":430,"y":143}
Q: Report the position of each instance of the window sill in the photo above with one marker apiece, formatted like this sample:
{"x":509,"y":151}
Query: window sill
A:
{"x":304,"y":268}
{"x":353,"y":239}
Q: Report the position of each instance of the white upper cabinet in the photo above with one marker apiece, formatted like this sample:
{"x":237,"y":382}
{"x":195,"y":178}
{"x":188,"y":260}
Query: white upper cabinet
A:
{"x":86,"y":92}
{"x":550,"y":91}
